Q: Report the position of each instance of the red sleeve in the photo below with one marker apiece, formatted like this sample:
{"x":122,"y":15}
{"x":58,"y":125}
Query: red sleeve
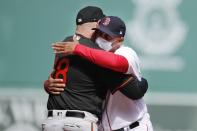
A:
{"x":103,"y":58}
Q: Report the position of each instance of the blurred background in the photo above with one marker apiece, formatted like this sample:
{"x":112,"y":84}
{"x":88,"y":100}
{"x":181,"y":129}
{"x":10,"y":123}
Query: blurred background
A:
{"x":163,"y":33}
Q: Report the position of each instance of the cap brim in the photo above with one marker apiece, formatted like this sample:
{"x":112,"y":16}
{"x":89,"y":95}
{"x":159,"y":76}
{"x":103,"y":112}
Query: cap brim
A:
{"x":105,"y":30}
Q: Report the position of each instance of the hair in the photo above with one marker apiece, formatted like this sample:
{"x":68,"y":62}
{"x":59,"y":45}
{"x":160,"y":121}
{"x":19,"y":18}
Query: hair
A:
{"x":95,"y":35}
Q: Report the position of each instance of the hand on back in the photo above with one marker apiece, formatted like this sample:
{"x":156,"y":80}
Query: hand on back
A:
{"x":54,"y":86}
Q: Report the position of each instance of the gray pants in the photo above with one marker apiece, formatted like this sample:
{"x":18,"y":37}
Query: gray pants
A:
{"x":60,"y":122}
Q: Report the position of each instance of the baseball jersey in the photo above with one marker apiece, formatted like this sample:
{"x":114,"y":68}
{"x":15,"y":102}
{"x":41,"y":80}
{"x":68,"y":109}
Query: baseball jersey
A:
{"x":83,"y":89}
{"x":120,"y":110}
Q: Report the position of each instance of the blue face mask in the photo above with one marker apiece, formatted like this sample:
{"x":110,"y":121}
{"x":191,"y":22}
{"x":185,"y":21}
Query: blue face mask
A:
{"x":104,"y":44}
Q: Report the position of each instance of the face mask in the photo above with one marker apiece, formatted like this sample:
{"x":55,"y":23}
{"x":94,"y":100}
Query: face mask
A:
{"x":104,"y":44}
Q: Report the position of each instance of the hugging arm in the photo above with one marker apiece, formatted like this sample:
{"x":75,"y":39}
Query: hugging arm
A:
{"x":99,"y":57}
{"x":135,"y":89}
{"x":103,"y":58}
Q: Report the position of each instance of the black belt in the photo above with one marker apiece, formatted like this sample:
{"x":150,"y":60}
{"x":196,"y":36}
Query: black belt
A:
{"x":133,"y":125}
{"x":67,"y":114}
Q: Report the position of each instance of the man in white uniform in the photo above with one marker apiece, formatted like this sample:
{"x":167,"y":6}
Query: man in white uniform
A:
{"x":121,"y":113}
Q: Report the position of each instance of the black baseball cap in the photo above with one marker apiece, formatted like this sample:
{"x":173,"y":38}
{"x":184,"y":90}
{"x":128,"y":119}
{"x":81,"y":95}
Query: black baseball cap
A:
{"x":113,"y":26}
{"x":89,"y":14}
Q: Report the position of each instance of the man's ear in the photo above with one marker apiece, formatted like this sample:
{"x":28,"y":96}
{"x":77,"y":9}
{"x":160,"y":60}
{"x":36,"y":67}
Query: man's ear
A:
{"x":121,"y":39}
{"x":98,"y":23}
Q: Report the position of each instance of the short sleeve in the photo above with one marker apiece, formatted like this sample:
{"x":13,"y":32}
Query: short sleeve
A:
{"x":133,"y":60}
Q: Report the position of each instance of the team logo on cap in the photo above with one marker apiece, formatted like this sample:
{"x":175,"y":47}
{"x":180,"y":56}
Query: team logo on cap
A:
{"x":106,"y":21}
{"x":79,"y":20}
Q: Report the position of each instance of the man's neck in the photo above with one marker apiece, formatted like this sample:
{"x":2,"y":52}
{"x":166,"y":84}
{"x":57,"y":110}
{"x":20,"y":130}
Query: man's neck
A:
{"x":83,"y":33}
{"x":85,"y":30}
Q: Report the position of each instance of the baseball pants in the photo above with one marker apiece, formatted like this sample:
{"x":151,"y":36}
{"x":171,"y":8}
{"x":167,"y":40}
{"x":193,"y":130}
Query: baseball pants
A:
{"x":70,"y":120}
{"x":143,"y":124}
